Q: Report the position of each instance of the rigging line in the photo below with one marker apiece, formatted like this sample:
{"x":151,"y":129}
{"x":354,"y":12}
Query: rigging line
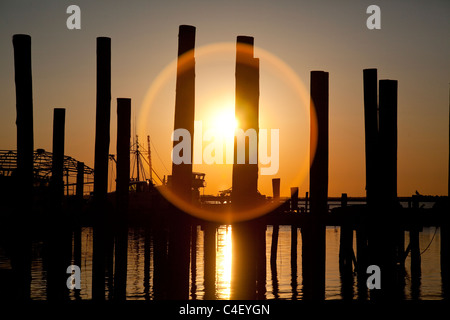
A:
{"x":157,"y":154}
{"x":435,"y":231}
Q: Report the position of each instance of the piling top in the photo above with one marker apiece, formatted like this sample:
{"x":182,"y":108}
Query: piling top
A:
{"x":186,"y":28}
{"x":246,"y":39}
{"x":21,"y":37}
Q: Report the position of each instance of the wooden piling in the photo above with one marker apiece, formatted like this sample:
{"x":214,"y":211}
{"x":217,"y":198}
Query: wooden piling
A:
{"x":102,"y":138}
{"x":276,"y":227}
{"x":24,"y":117}
{"x":123,"y":152}
{"x":210,"y":231}
{"x":313,"y":234}
{"x":294,"y":199}
{"x":345,"y":243}
{"x":383,"y":232}
{"x":102,"y":121}
{"x":371,"y":134}
{"x":79,"y":191}
{"x":57,"y":183}
{"x":122,"y":194}
{"x":245,"y":175}
{"x":21,"y":252}
{"x":445,"y":233}
{"x":388,"y":140}
{"x":184,"y":108}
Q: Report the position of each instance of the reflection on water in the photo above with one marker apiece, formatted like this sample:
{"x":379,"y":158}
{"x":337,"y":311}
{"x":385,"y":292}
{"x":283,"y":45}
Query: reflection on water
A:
{"x":281,"y":283}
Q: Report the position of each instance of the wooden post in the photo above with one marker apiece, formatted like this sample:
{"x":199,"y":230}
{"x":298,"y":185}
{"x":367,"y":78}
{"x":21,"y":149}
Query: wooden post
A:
{"x":313,"y":234}
{"x":21,"y":252}
{"x":123,"y":152}
{"x":245,"y":235}
{"x":123,"y":182}
{"x":102,"y":136}
{"x":276,"y":227}
{"x":59,"y":115}
{"x":24,"y":118}
{"x":384,"y":232}
{"x":79,"y":191}
{"x":102,"y":121}
{"x":276,"y":188}
{"x":345,"y":243}
{"x":294,"y":199}
{"x":371,"y":134}
{"x":388,"y":140}
{"x":445,"y":234}
{"x":184,"y":108}
{"x":210,"y":261}
{"x":294,"y":243}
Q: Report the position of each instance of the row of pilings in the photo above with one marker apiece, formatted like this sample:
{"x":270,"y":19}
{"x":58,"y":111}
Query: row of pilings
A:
{"x":379,"y":240}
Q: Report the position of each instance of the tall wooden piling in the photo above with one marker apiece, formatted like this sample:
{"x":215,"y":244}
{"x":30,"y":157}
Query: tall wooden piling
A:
{"x":102,"y":120}
{"x":102,"y":138}
{"x":313,"y":234}
{"x":24,"y":117}
{"x":245,"y":175}
{"x":383,"y":230}
{"x":179,"y":234}
{"x":371,"y":133}
{"x":57,"y":183}
{"x":122,"y":186}
{"x":184,"y":108}
{"x":388,"y":140}
{"x":246,"y":235}
{"x":21,"y":253}
{"x":445,"y":233}
{"x":123,"y":152}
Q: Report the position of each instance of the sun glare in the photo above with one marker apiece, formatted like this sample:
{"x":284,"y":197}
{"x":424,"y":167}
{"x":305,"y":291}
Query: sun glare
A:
{"x":225,"y":124}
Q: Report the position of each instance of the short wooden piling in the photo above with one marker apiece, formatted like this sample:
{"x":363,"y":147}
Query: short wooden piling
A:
{"x":294,"y":199}
{"x":57,"y":183}
{"x":79,"y":191}
{"x":345,"y":243}
{"x":276,"y":227}
{"x":210,"y":261}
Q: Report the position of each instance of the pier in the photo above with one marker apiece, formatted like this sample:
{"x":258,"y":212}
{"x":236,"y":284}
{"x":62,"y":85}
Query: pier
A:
{"x":55,"y":210}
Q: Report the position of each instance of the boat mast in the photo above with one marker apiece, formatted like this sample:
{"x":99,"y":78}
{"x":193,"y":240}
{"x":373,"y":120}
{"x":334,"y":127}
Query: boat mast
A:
{"x":149,"y":158}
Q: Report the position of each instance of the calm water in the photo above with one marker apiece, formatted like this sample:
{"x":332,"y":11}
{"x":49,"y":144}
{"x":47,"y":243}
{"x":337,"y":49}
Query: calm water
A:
{"x":282,"y":285}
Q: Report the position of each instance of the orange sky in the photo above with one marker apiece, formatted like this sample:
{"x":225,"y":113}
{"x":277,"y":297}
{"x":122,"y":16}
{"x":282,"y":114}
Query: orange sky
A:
{"x":292,"y":38}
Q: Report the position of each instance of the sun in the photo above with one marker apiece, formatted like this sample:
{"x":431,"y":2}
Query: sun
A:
{"x":225,"y":124}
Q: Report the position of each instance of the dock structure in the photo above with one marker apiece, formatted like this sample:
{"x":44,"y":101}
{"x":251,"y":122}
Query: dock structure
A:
{"x":378,"y":219}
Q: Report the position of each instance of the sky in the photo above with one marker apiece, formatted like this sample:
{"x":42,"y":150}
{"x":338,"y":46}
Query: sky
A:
{"x":292,"y":38}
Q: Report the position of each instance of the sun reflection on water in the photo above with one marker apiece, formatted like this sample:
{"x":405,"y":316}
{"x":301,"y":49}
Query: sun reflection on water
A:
{"x":223,"y":262}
